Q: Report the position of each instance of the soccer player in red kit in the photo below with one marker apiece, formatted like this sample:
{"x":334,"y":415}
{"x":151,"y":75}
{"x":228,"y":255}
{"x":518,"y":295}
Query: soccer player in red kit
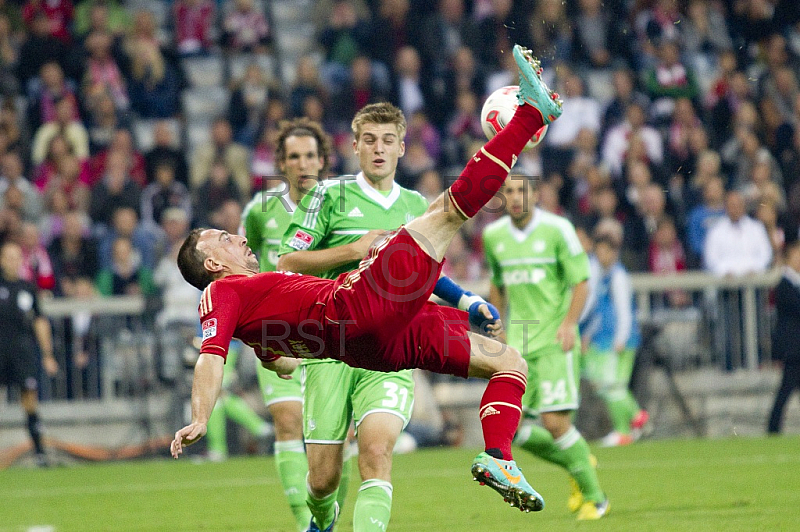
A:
{"x":380,"y":311}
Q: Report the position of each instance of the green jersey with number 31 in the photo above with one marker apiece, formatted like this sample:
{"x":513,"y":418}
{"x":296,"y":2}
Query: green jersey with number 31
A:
{"x":536,"y":266}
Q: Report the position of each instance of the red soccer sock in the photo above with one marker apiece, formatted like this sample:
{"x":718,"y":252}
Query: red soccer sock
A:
{"x":486,"y":172}
{"x":501,"y":409}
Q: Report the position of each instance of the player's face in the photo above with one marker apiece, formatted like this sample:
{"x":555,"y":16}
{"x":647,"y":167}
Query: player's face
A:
{"x":606,"y":255}
{"x":303,"y":163}
{"x":520,"y":197}
{"x":378,"y":149}
{"x":226,"y":252}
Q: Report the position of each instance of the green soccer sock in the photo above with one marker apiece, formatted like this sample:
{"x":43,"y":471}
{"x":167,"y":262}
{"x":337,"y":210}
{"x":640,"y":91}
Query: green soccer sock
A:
{"x":239,"y":411}
{"x":321,"y":509}
{"x":292,"y":466}
{"x":373,"y":506}
{"x":216,"y":436}
{"x":570,"y":451}
{"x":622,"y":407}
{"x":344,"y":482}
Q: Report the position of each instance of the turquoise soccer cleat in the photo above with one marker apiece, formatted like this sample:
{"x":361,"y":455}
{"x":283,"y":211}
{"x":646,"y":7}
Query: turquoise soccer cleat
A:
{"x":312,"y":527}
{"x":532,"y":89}
{"x":504,"y":477}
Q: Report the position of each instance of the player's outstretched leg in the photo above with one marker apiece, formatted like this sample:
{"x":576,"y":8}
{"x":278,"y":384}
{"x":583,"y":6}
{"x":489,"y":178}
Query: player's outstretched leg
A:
{"x":500,"y":411}
{"x":487,"y":170}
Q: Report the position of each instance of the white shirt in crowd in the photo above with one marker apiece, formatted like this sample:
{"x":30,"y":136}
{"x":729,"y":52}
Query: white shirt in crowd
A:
{"x":737,"y":248}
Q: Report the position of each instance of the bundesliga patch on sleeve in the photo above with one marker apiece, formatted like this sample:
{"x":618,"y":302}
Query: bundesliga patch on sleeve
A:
{"x":209,"y":328}
{"x":301,"y":240}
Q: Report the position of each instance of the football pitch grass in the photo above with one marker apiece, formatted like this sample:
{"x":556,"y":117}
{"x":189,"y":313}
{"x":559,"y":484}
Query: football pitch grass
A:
{"x":736,"y":484}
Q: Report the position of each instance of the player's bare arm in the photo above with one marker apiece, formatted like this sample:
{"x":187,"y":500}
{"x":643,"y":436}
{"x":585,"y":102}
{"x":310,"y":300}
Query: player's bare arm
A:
{"x":319,"y":260}
{"x":205,"y":390}
{"x":566,"y":331}
{"x":43,"y":332}
{"x":283,"y":366}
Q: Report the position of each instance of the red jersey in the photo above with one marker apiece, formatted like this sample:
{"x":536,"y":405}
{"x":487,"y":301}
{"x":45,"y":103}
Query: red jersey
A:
{"x":275,"y":313}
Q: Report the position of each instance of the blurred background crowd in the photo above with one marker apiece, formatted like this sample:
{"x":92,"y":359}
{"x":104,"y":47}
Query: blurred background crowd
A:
{"x":124,"y":123}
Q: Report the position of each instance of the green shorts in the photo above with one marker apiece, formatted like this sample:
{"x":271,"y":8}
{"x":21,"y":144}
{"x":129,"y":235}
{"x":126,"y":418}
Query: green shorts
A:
{"x":608,"y":369}
{"x":553,"y":381}
{"x":277,"y":390}
{"x":335,"y":393}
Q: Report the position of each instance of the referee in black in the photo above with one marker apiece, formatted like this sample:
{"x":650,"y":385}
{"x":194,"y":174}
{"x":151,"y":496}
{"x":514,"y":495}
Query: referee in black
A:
{"x":20,"y":322}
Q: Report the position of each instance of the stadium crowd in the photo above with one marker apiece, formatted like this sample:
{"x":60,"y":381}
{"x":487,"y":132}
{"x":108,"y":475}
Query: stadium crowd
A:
{"x":677,"y":114}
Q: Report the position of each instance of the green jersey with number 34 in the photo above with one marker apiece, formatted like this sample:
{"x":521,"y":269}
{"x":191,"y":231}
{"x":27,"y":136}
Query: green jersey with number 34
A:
{"x":536,"y":266}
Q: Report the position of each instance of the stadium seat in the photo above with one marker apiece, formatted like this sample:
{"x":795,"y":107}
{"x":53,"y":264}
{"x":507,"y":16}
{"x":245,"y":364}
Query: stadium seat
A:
{"x":204,"y":71}
{"x":203,"y":104}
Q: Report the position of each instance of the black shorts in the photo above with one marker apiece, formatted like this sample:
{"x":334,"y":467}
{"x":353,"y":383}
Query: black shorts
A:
{"x":19,"y":364}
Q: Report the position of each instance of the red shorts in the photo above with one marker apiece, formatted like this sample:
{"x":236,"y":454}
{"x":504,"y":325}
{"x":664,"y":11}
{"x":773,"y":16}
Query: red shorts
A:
{"x":376,"y":317}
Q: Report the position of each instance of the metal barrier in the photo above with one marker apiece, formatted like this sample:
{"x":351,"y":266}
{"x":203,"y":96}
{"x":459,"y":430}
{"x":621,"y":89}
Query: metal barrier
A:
{"x":722,"y":321}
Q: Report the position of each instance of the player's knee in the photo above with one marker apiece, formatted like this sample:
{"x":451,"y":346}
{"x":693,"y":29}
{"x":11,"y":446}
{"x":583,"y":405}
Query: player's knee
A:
{"x":375,"y":459}
{"x":514,"y":361}
{"x":288,"y":424}
{"x":323,"y":483}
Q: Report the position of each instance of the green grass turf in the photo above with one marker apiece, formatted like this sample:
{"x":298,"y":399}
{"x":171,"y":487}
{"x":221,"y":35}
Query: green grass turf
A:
{"x":735,"y":484}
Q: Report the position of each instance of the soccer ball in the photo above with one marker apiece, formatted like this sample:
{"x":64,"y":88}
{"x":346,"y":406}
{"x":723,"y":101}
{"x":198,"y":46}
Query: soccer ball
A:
{"x":498,"y":110}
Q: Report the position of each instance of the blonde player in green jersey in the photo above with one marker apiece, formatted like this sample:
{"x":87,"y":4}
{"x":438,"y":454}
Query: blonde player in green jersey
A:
{"x":329,"y":234}
{"x":539,"y":274}
{"x":302,"y":154}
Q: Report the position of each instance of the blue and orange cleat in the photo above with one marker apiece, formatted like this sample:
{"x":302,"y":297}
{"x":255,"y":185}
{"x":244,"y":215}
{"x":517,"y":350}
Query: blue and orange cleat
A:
{"x":532,"y":88}
{"x":504,"y":477}
{"x":312,"y":527}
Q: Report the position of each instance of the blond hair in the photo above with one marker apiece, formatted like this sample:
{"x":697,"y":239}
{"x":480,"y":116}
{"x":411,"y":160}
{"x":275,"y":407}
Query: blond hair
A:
{"x":379,"y":113}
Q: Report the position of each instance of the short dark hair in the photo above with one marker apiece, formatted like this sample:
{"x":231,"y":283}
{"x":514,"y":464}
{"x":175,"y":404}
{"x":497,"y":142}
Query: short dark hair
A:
{"x":607,"y":239}
{"x":190,"y":261}
{"x":303,"y":127}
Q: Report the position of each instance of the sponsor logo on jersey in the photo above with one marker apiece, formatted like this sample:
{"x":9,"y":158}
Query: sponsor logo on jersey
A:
{"x":271,"y":224}
{"x":301,"y":240}
{"x":523,"y":276}
{"x":355,"y":213}
{"x":209,"y":328}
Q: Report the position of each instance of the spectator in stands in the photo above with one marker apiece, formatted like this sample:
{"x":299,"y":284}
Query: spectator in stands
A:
{"x":733,"y":95}
{"x":221,"y":148}
{"x":580,"y":112}
{"x":307,"y":83}
{"x":178,"y":297}
{"x":51,"y":224}
{"x":759,"y":186}
{"x":164,"y":193}
{"x":599,"y":36}
{"x":194,"y":21}
{"x":429,"y":185}
{"x":549,"y":197}
{"x":498,"y":32}
{"x":214,"y":192}
{"x":785,"y":343}
{"x":125,"y":223}
{"x":38,"y":49}
{"x":684,"y":122}
{"x":153,"y":84}
{"x":66,"y":125}
{"x":10,"y":44}
{"x":126,"y":275}
{"x":744,"y":153}
{"x":443,"y":32}
{"x":780,"y":229}
{"x":603,"y":204}
{"x":121,"y":143}
{"x":617,"y":141}
{"x":13,"y":177}
{"x":245,"y":28}
{"x":670,"y":79}
{"x":104,"y":121}
{"x":654,"y":22}
{"x":343,"y":38}
{"x":74,"y":254}
{"x":625,"y":93}
{"x":704,"y":34}
{"x":36,"y":265}
{"x":464,"y":74}
{"x":666,"y":255}
{"x":703,"y":217}
{"x":249,"y":97}
{"x":115,"y":190}
{"x":53,"y":87}
{"x":108,"y":15}
{"x":409,"y":85}
{"x":464,"y":126}
{"x":101,"y":70}
{"x":68,"y":180}
{"x":58,"y":13}
{"x":165,"y":149}
{"x":550,"y":32}
{"x":421,"y":130}
{"x":361,"y":88}
{"x":390,"y":29}
{"x":737,"y":244}
{"x":227,"y":216}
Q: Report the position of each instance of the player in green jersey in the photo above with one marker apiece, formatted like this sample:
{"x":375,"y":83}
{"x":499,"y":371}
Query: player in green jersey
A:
{"x":539,"y":283}
{"x":329,"y":234}
{"x":302,"y":153}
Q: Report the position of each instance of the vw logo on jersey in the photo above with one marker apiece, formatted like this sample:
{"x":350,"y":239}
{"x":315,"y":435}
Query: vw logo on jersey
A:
{"x":538,"y":246}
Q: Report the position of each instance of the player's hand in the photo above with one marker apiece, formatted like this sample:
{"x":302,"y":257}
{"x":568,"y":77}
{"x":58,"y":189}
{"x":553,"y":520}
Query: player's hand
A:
{"x":283,"y":366}
{"x":565,"y":335}
{"x":186,"y":436}
{"x":486,"y":318}
{"x":361,"y":246}
{"x":50,"y":365}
